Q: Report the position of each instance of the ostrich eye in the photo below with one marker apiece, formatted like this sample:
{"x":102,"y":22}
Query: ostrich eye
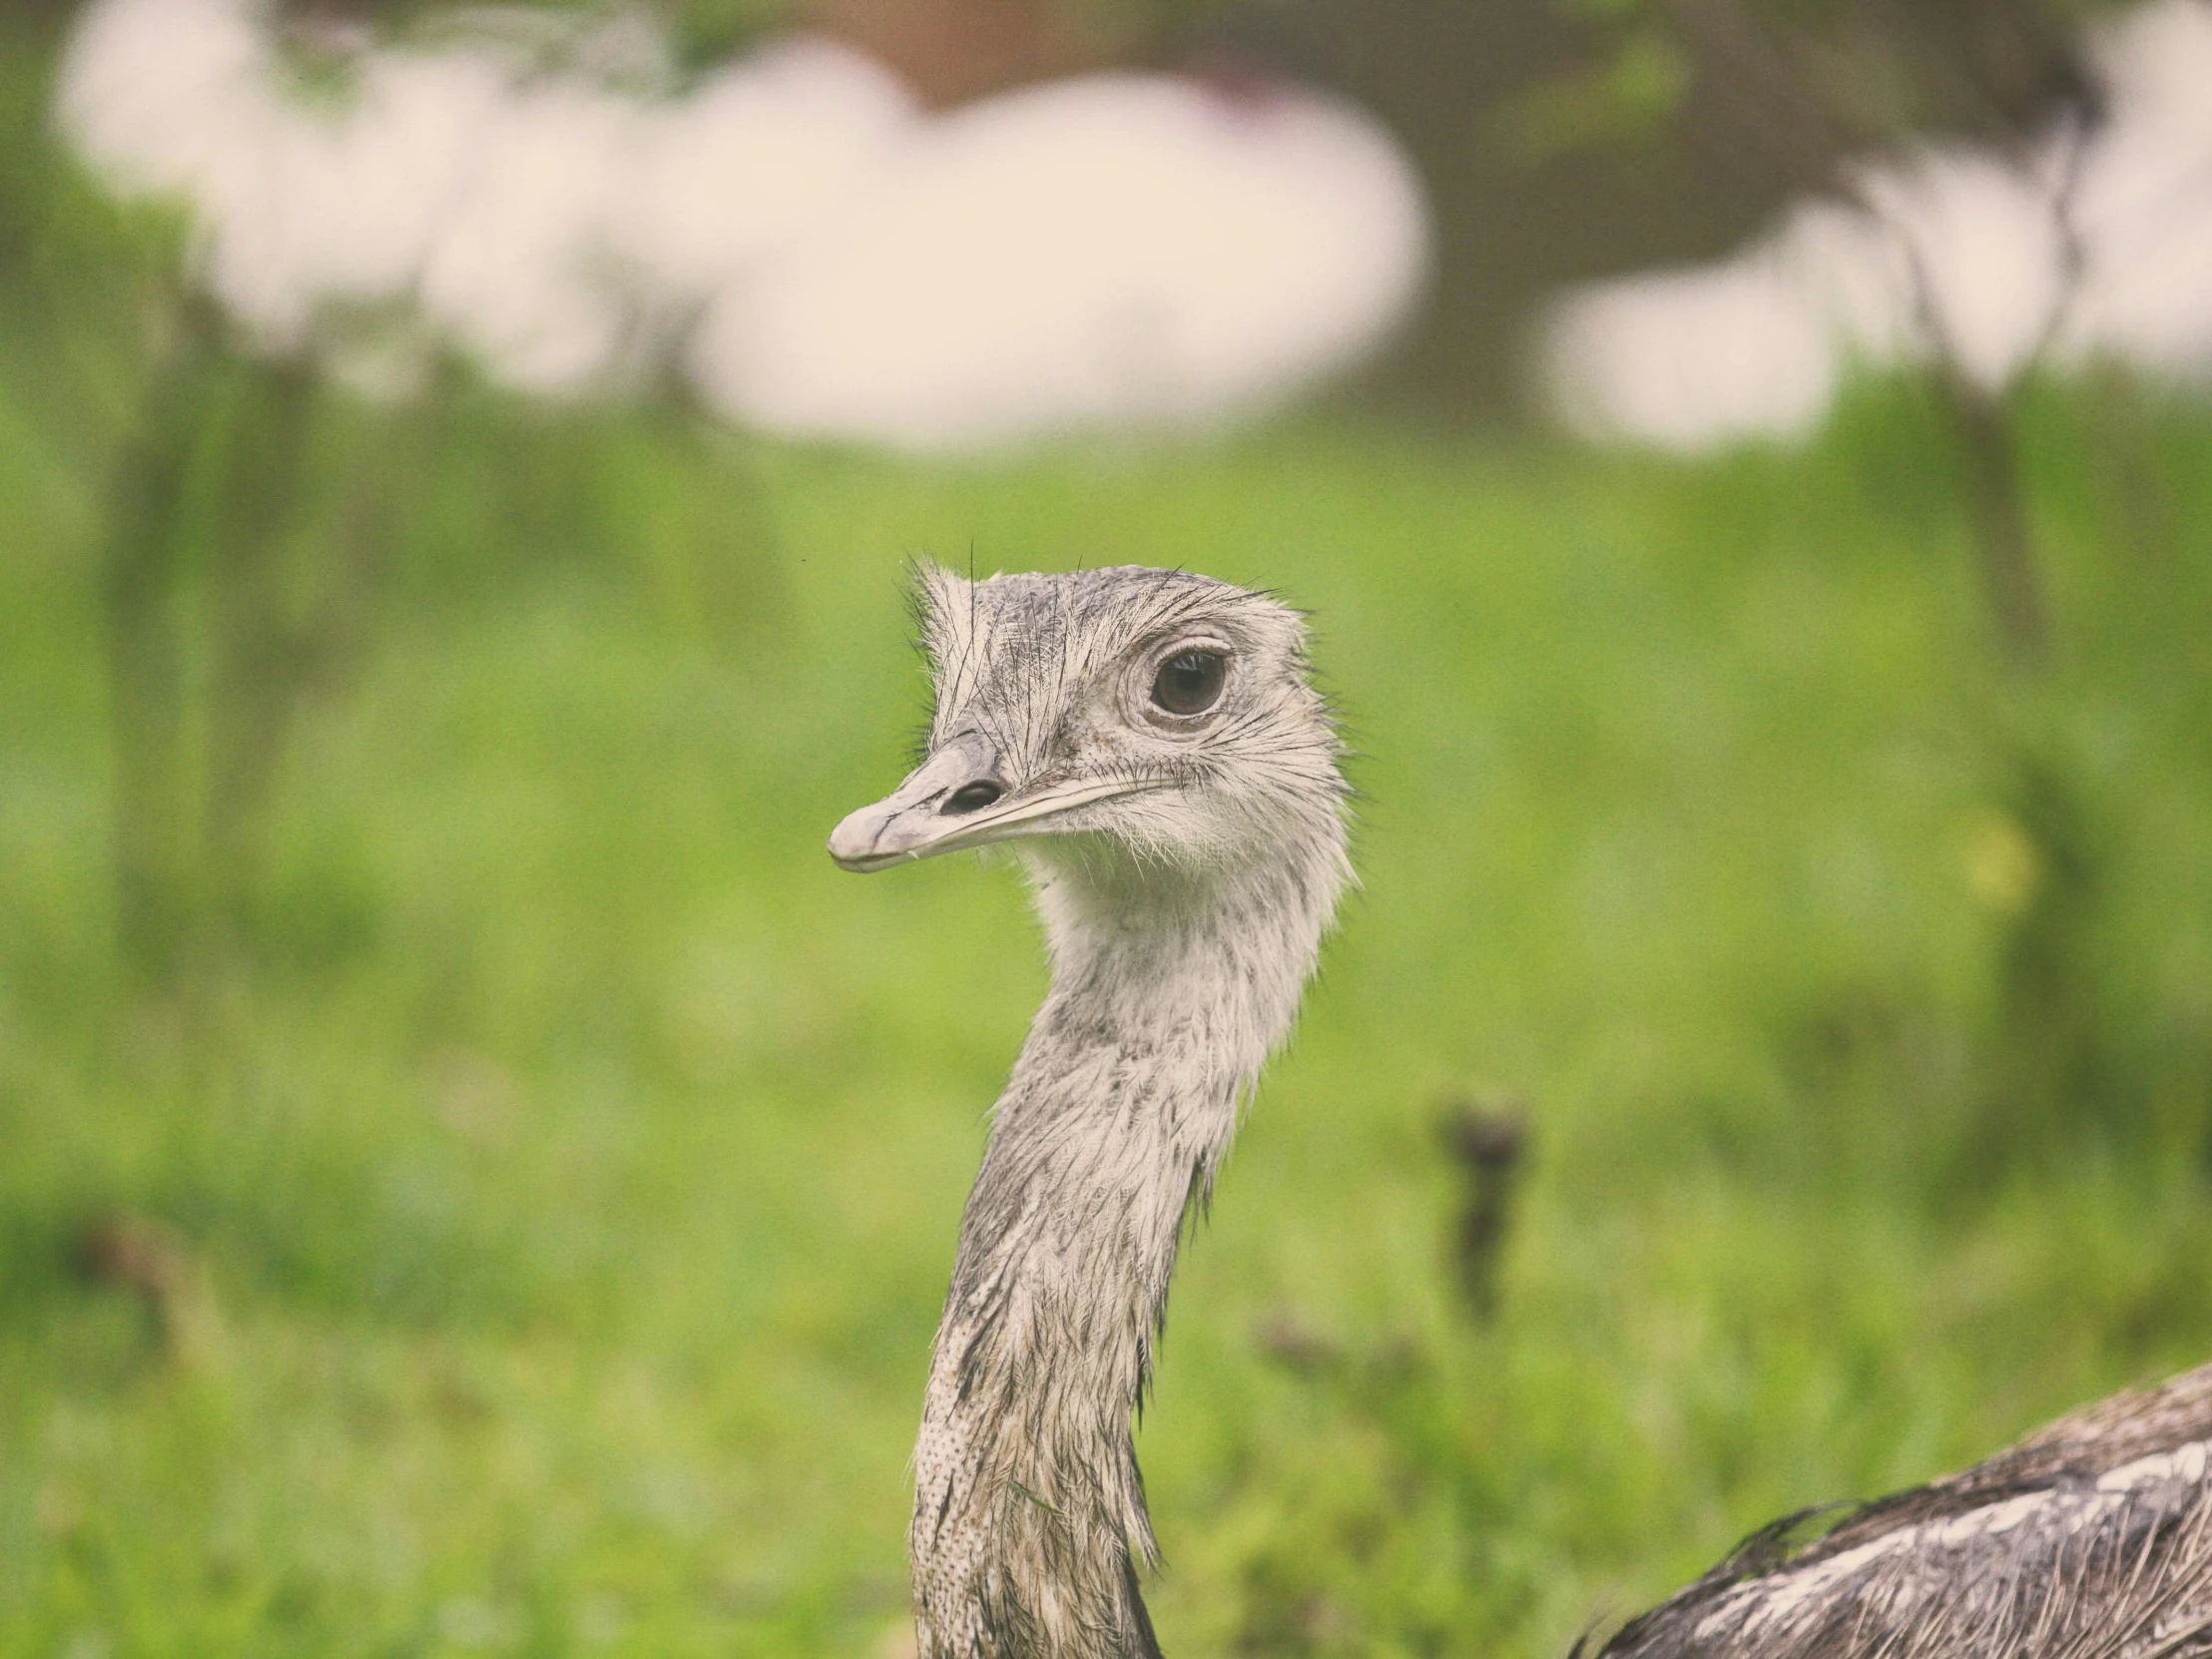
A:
{"x":972,"y":798}
{"x":1189,"y":683}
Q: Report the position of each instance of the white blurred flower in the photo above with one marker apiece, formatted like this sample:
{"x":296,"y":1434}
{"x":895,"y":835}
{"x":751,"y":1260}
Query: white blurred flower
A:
{"x":2144,"y":206}
{"x":296,"y":206}
{"x":1755,"y":346}
{"x":757,"y":155}
{"x":1105,"y":251}
{"x":1985,"y":250}
{"x":2153,"y":60}
{"x":1121,"y":249}
{"x":345,"y":204}
{"x":1857,"y":275}
{"x":1955,"y":253}
{"x":163,"y":96}
{"x":520,"y":272}
{"x":1692,"y":359}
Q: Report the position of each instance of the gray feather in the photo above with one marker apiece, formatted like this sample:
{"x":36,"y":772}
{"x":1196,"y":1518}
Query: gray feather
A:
{"x":2091,"y":1539}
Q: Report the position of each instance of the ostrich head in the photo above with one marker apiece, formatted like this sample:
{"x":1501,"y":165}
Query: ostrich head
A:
{"x":1151,"y":738}
{"x":1157,"y":715}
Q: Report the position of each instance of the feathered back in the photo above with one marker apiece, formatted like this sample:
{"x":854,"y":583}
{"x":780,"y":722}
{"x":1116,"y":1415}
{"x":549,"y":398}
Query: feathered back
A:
{"x":2090,"y":1539}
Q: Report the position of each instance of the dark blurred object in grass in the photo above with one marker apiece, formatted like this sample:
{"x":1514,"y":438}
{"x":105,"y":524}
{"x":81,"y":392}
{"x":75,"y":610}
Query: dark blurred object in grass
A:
{"x":1488,"y":1139}
{"x":157,"y":1264}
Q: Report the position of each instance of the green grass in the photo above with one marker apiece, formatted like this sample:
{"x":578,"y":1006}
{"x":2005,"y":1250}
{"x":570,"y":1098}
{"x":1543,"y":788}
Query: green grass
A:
{"x":575,"y":1159}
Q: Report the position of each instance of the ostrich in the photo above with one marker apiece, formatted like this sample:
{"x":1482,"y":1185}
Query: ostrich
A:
{"x":1152,"y":740}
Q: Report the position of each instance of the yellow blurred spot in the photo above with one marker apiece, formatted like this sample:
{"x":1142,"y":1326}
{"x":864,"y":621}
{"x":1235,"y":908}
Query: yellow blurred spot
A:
{"x":2004,"y":868}
{"x":895,"y":1642}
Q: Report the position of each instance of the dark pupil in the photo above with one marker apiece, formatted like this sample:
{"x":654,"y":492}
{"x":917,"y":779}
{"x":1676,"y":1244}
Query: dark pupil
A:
{"x":1189,"y":682}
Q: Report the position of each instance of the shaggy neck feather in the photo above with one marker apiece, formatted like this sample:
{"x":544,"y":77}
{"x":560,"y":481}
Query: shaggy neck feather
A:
{"x":1168,"y":991}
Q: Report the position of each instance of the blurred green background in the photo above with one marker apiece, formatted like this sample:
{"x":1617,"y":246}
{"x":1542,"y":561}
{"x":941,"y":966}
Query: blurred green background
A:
{"x":475,"y":1179}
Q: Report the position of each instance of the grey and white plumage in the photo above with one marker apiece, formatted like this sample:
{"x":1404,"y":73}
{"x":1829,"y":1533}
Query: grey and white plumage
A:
{"x":1152,"y":743}
{"x":2089,"y":1539}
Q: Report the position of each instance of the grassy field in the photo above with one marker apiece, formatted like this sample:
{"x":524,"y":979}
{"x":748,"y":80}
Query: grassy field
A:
{"x":561,"y":1187}
{"x":514,"y":1225}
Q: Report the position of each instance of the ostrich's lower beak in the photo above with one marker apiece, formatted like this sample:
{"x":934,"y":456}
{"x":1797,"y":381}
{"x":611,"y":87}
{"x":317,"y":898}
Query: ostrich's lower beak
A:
{"x":955,"y":799}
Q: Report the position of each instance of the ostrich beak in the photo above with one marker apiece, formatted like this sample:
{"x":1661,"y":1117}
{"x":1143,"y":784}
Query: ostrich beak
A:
{"x":955,"y":799}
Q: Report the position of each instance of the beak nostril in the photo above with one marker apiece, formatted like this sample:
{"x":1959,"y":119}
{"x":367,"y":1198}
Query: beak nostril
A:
{"x":970,"y":798}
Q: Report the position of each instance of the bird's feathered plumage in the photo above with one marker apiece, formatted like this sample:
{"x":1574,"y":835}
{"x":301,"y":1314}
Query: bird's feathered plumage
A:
{"x":2089,"y":1539}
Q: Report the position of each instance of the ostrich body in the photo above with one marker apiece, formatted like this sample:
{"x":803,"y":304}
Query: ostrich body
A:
{"x":1152,"y":741}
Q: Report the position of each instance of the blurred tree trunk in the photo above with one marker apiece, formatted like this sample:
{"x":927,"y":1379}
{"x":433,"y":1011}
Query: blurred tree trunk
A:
{"x":147,"y":669}
{"x":229,"y":602}
{"x":256,"y":651}
{"x":1995,"y":493}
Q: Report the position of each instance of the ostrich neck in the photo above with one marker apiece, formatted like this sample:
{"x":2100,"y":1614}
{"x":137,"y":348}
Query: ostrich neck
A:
{"x":1167,"y":994}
